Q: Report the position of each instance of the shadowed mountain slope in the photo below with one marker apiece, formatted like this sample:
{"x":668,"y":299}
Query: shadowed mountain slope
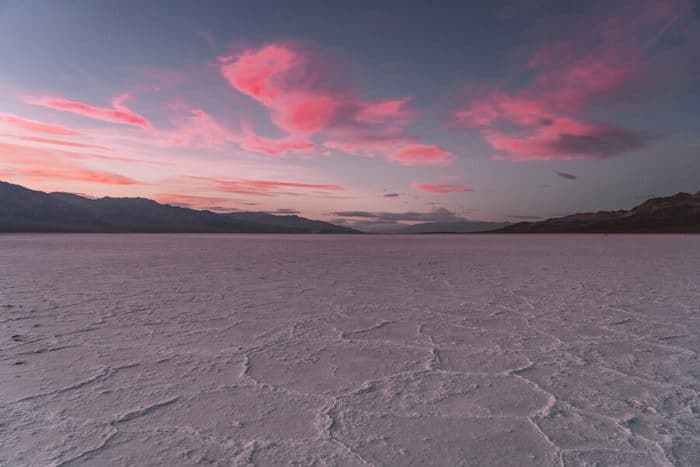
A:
{"x":679,"y":213}
{"x":24,"y":210}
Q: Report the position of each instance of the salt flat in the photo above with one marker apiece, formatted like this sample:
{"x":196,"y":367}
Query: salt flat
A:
{"x":349,"y":350}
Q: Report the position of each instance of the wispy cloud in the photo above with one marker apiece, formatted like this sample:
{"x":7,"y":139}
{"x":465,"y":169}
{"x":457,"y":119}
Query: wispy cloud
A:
{"x":267,"y":187}
{"x":55,"y":142}
{"x":275,"y":147}
{"x":63,"y":170}
{"x":118,"y":113}
{"x":441,"y":189}
{"x":12,"y":151}
{"x":36,"y":126}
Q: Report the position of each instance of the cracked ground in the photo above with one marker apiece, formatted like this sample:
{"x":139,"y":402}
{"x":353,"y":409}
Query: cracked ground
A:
{"x":349,"y":350}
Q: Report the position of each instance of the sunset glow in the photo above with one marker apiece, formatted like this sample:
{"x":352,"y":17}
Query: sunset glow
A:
{"x":585,"y":102}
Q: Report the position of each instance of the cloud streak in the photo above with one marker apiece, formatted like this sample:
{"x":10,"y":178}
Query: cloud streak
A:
{"x":268,"y":187}
{"x":55,"y":142}
{"x":36,"y":126}
{"x":441,"y":189}
{"x":275,"y":147}
{"x":40,"y":168}
{"x":118,"y":113}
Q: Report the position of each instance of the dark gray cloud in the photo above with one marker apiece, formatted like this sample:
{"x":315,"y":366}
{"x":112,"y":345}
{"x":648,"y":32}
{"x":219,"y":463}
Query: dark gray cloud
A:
{"x":565,"y":175}
{"x":383,"y":221}
{"x":436,"y":215}
{"x":391,"y":195}
{"x":219,"y":209}
{"x":602,"y":142}
{"x":354,"y":214}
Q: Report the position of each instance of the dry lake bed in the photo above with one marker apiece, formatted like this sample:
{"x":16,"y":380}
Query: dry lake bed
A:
{"x":349,"y":350}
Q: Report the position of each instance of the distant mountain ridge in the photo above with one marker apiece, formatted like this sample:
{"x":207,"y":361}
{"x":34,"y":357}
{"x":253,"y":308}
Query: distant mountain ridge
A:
{"x":25,"y":210}
{"x":679,"y":213}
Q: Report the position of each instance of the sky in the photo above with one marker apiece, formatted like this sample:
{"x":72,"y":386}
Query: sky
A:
{"x":367,"y":113}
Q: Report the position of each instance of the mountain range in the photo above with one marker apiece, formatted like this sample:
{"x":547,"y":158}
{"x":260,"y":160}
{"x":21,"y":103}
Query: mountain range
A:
{"x":679,"y":213}
{"x":24,"y":210}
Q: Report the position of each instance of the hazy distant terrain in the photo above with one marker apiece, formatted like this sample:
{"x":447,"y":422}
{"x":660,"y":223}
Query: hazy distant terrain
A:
{"x":349,"y":350}
{"x":24,"y":210}
{"x":451,"y":227}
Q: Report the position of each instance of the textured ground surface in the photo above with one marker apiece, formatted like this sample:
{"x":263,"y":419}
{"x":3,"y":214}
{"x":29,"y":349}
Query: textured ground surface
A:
{"x":271,"y":350}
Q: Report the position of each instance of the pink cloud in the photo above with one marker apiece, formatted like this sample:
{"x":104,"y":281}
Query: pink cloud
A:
{"x":40,"y":127}
{"x":275,"y":147}
{"x":198,"y":126}
{"x":537,"y":124}
{"x":118,"y":113}
{"x":368,"y":145}
{"x":56,"y":142}
{"x":43,"y":168}
{"x":76,"y":173}
{"x":392,"y":110}
{"x":290,"y":83}
{"x":273,"y":184}
{"x":441,"y":189}
{"x":547,"y":118}
{"x":295,"y":85}
{"x":404,"y":150}
{"x":268,"y":187}
{"x":564,"y":139}
{"x":417,"y":154}
{"x":283,"y":79}
{"x":498,"y":106}
{"x":260,"y":73}
{"x":18,"y":152}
